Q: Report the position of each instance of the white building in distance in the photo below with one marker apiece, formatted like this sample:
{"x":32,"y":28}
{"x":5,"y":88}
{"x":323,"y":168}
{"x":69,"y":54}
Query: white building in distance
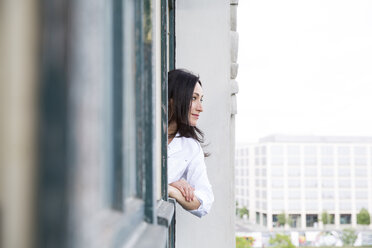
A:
{"x":302,"y":176}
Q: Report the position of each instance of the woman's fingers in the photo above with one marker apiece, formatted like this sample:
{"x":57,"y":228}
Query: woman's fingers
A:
{"x":186,"y":190}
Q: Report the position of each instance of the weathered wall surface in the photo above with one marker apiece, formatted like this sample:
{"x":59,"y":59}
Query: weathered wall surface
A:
{"x":204,"y":45}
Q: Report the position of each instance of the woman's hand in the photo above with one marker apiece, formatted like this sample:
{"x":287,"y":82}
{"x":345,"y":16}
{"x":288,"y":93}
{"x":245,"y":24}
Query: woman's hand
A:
{"x":188,"y":205}
{"x":184,"y":187}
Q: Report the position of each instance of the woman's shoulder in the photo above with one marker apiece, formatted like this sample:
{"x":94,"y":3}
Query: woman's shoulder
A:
{"x":190,"y":143}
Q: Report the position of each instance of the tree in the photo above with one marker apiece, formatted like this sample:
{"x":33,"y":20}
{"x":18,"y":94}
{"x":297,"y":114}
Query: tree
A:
{"x":282,"y":219}
{"x":326,"y":218}
{"x":281,"y":241}
{"x":244,"y":242}
{"x":348,"y":237}
{"x":363,"y":217}
{"x":243,"y":211}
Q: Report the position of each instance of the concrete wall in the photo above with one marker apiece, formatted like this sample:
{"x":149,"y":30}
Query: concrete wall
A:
{"x":203,"y":45}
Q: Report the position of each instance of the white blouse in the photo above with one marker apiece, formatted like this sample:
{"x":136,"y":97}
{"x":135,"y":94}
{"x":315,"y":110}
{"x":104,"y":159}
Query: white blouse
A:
{"x":186,"y":160}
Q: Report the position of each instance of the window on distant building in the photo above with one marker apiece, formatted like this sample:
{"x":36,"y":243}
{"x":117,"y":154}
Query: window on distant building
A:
{"x":264,"y":219}
{"x":311,"y":220}
{"x":361,"y":204}
{"x":311,"y":194}
{"x":328,"y":194}
{"x":311,"y":171}
{"x":344,"y":171}
{"x":361,"y":183}
{"x":345,"y":205}
{"x":327,"y":171}
{"x":360,"y":151}
{"x":311,"y":183}
{"x":345,"y":194}
{"x":345,"y":219}
{"x":294,"y":161}
{"x":361,"y":172}
{"x":258,"y":218}
{"x":293,"y":150}
{"x":344,"y":183}
{"x":294,"y":171}
{"x":361,"y":194}
{"x":294,"y":183}
{"x":327,"y":183}
{"x":294,"y":205}
{"x":328,"y":205}
{"x":277,"y":183}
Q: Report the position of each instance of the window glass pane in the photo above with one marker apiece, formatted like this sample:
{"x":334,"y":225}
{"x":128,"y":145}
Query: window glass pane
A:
{"x":328,"y":205}
{"x":361,"y":172}
{"x":277,"y":150}
{"x":328,"y":194}
{"x":344,"y":171}
{"x":277,"y":161}
{"x":311,"y":205}
{"x":294,"y":171}
{"x":311,"y":171}
{"x":326,"y":183}
{"x":327,"y":171}
{"x":294,"y":194}
{"x":343,"y":161}
{"x":361,"y":183}
{"x":326,"y":161}
{"x":294,"y":183}
{"x":311,"y":183}
{"x":343,"y":151}
{"x":344,"y":183}
{"x":360,"y":160}
{"x":361,"y":204}
{"x":345,"y":194}
{"x":293,"y":150}
{"x":326,"y":151}
{"x":278,"y":205}
{"x":311,"y":194}
{"x":277,"y":171}
{"x":277,"y":194}
{"x":345,"y":218}
{"x":294,"y":205}
{"x":361,"y":194}
{"x":294,"y":161}
{"x":310,"y":161}
{"x":310,"y":151}
{"x":278,"y":183}
{"x":360,"y":151}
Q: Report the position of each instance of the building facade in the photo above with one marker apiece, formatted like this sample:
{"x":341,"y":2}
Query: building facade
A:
{"x":304,"y":176}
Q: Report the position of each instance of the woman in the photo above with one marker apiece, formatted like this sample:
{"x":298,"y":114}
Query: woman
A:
{"x":187,"y":174}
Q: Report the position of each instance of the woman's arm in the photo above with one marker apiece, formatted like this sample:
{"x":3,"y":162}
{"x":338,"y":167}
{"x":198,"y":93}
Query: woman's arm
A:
{"x":188,"y":205}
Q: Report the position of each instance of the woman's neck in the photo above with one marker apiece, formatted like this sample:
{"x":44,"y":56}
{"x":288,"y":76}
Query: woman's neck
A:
{"x":172,"y":130}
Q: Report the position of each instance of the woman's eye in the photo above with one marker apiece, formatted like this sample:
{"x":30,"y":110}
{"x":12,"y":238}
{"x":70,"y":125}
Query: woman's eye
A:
{"x":193,"y":98}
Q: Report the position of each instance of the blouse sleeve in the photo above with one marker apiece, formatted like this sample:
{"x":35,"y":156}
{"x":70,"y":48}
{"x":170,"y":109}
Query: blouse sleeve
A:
{"x":196,"y":176}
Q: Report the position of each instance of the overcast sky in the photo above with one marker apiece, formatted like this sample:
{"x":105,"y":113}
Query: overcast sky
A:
{"x":305,"y":67}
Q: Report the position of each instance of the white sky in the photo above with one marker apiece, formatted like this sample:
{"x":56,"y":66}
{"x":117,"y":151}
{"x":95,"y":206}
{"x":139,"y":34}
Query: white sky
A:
{"x":305,"y":67}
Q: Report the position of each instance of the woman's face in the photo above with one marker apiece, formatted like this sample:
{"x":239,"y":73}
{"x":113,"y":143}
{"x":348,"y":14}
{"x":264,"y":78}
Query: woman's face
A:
{"x":196,"y":105}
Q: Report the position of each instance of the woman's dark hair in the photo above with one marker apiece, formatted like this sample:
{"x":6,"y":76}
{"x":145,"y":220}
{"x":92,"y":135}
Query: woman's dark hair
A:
{"x":181,"y":84}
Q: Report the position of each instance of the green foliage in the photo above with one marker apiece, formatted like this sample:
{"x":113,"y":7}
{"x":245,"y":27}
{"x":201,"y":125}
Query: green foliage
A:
{"x":326,"y":218}
{"x":282,"y":219}
{"x":363,"y":217}
{"x":281,"y":241}
{"x":348,"y":237}
{"x":244,"y":242}
{"x":243,"y":211}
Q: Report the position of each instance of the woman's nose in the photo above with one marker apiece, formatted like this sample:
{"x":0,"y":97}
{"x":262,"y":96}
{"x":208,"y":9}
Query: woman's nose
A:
{"x":200,"y":107}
